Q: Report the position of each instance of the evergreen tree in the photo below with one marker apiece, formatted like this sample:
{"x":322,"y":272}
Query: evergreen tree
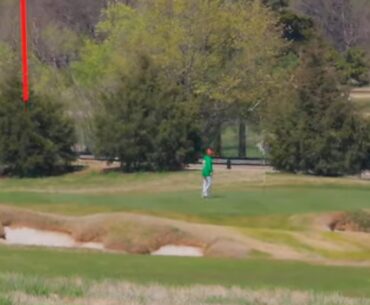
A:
{"x":276,"y":4}
{"x":354,"y":65}
{"x":296,"y":28}
{"x":147,"y":124}
{"x":37,"y":142}
{"x":320,"y":133}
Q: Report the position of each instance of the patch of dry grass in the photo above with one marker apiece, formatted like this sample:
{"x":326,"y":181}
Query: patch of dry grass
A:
{"x":33,"y":291}
{"x":324,"y":247}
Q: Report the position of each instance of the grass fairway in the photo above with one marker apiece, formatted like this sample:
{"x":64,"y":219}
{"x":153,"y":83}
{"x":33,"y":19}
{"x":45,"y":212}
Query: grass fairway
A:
{"x":231,"y":208}
{"x":351,"y":281}
{"x":232,"y":203}
{"x":236,"y":208}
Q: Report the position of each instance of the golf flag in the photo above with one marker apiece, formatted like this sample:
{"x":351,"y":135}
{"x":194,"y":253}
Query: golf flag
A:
{"x":23,"y":27}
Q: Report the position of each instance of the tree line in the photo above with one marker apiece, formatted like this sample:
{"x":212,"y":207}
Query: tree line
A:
{"x":152,"y":83}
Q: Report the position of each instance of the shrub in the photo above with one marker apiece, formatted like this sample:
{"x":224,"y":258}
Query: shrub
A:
{"x":145,"y":124}
{"x":320,"y":132}
{"x":361,"y":220}
{"x":34,"y":143}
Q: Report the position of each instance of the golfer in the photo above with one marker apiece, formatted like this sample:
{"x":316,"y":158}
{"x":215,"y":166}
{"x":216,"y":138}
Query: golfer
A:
{"x":207,"y":173}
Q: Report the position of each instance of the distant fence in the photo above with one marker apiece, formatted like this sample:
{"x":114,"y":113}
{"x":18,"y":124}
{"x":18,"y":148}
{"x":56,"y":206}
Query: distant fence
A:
{"x":241,"y":161}
{"x":218,"y":161}
{"x":89,"y":157}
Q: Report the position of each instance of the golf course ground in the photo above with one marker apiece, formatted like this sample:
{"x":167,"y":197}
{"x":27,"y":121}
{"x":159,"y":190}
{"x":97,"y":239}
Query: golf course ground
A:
{"x":265,"y":238}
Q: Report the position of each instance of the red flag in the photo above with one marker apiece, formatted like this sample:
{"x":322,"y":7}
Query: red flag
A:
{"x":26,"y":90}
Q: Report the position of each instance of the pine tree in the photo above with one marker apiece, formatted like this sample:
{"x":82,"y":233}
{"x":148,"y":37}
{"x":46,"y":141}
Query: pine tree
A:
{"x":321,"y":134}
{"x":276,"y":4}
{"x":37,"y":142}
{"x":146,"y":124}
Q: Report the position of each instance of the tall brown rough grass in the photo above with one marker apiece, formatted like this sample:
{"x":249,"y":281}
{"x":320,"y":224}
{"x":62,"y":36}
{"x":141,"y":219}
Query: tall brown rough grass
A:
{"x":35,"y":291}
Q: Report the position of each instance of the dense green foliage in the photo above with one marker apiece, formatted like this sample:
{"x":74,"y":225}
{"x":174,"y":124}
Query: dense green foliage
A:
{"x":145,"y":125}
{"x":355,"y":65}
{"x":172,"y":84}
{"x":37,"y":142}
{"x":276,"y":4}
{"x":296,"y":28}
{"x":152,"y":83}
{"x":320,"y":132}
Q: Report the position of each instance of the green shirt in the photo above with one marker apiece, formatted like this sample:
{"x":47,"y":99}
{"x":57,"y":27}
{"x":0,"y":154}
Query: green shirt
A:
{"x":207,"y":166}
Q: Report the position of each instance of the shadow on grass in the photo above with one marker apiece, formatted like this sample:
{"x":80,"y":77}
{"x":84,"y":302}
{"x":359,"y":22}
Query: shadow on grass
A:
{"x":56,"y":172}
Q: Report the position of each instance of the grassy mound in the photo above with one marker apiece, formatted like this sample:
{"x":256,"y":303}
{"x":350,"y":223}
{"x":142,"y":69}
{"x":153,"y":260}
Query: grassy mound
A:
{"x":131,"y":233}
{"x":356,"y":221}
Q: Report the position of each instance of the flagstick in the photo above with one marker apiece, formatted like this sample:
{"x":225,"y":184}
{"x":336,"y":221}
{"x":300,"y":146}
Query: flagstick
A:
{"x":23,"y":15}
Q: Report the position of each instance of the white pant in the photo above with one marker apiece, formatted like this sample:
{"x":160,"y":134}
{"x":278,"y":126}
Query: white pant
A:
{"x":207,"y":184}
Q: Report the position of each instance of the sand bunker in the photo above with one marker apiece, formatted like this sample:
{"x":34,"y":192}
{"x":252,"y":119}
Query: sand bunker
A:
{"x":33,"y":237}
{"x":172,"y":250}
{"x":123,"y":232}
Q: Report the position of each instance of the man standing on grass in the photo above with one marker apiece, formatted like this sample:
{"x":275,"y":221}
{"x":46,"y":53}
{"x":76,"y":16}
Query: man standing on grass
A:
{"x":207,"y":173}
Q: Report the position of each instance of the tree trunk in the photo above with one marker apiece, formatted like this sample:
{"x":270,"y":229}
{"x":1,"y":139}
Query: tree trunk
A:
{"x":218,"y":140}
{"x":242,"y":139}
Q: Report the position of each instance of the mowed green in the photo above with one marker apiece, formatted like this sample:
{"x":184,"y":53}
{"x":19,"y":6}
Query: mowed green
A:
{"x":351,"y":281}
